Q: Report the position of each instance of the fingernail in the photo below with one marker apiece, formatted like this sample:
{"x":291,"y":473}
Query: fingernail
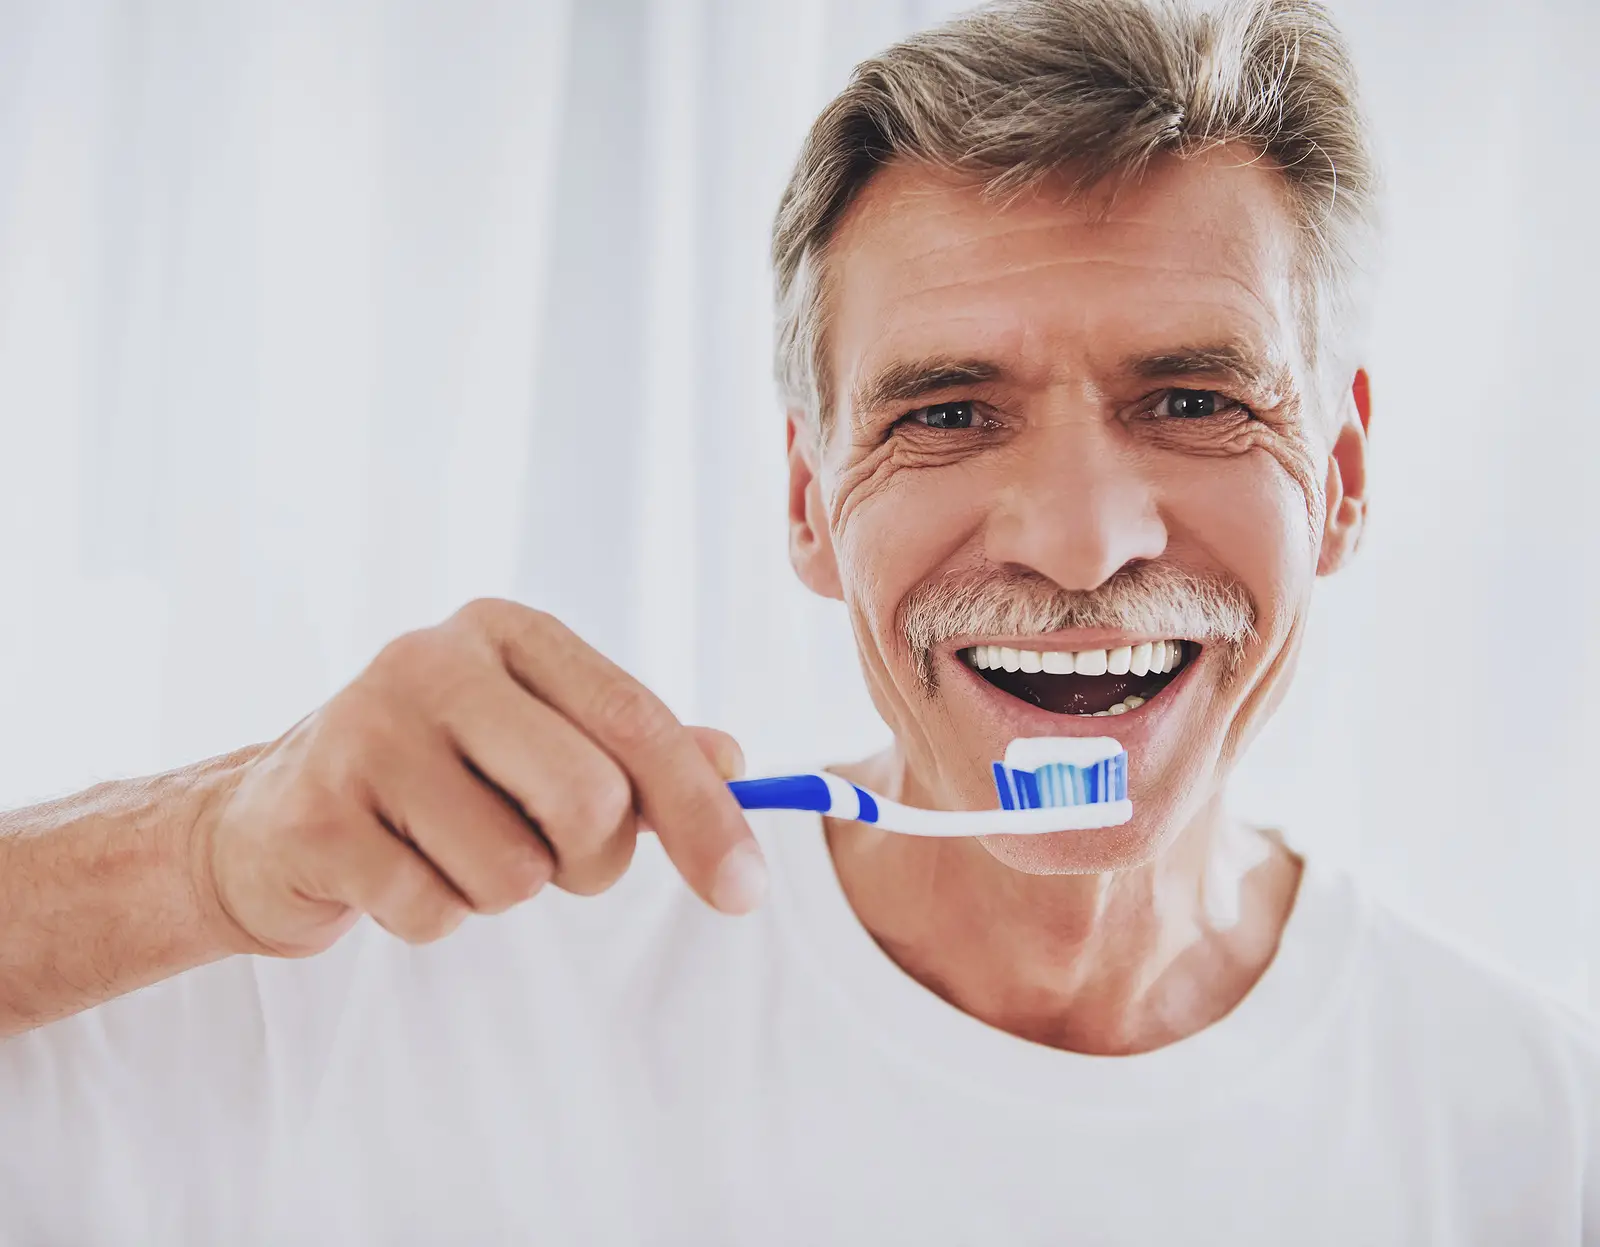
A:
{"x":730,"y":760}
{"x":741,"y":879}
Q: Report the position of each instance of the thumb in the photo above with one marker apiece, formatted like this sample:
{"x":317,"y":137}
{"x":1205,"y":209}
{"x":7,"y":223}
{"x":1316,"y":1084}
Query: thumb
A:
{"x":721,"y":750}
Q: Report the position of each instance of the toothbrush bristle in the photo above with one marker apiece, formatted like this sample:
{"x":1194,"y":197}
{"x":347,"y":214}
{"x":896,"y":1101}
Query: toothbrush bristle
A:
{"x":1057,"y":784}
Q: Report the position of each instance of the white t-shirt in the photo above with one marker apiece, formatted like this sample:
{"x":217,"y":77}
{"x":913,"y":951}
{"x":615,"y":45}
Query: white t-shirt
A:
{"x":636,"y":1068}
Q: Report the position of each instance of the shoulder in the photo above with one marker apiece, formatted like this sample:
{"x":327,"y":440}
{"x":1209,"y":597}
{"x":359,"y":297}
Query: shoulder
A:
{"x":1472,"y":1021}
{"x":1446,"y":975}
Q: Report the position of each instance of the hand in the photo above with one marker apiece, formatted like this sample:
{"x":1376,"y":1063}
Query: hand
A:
{"x":468,"y":766}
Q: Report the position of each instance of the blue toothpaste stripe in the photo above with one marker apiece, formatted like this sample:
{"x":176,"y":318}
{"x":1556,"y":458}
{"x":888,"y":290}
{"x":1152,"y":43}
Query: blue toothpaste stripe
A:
{"x":1058,"y":784}
{"x":1002,"y":785}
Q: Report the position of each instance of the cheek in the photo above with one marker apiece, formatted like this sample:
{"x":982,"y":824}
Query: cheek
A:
{"x":1249,"y":516}
{"x":896,"y":529}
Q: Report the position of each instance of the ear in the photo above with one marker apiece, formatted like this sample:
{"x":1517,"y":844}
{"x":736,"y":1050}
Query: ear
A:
{"x":1346,"y":517}
{"x":810,"y":541}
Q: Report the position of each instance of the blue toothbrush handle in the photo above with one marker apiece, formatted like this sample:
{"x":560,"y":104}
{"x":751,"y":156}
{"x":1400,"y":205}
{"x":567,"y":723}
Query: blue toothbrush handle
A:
{"x":821,"y":794}
{"x":783,"y":792}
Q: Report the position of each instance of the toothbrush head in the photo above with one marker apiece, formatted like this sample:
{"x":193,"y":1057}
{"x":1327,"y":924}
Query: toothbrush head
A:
{"x":1048,"y":772}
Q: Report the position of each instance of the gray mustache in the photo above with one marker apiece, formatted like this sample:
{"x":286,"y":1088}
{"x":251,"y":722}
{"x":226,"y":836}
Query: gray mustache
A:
{"x":1154,"y":598}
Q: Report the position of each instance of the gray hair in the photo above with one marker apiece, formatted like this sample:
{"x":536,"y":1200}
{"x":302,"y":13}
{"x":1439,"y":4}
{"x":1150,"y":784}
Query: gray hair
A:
{"x":1020,"y":90}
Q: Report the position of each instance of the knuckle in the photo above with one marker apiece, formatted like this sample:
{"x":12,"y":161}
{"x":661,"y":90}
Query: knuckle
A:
{"x":632,"y":717}
{"x":709,"y":805}
{"x":592,"y":804}
{"x":399,"y":889}
{"x":416,"y":908}
{"x":432,"y":923}
{"x":599,"y":869}
{"x":600,"y":805}
{"x":406,"y":654}
{"x":498,"y":617}
{"x":519,"y":878}
{"x":532,"y":635}
{"x":353,"y":718}
{"x":532,"y":623}
{"x":444,"y":920}
{"x":351,"y":736}
{"x":420,"y":672}
{"x":481,"y":614}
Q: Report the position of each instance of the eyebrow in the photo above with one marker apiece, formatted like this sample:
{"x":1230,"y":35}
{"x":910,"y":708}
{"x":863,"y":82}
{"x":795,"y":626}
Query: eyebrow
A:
{"x":1222,"y":359}
{"x":907,"y":380}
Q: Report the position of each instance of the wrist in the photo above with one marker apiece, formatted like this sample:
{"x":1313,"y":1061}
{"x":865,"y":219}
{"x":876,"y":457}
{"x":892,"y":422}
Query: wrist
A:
{"x":206,"y":789}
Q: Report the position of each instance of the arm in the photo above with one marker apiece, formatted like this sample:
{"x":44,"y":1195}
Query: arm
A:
{"x":468,"y":766}
{"x":106,"y":891}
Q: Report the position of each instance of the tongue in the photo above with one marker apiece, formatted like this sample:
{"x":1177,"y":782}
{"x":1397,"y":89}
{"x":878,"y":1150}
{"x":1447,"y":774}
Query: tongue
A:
{"x":1067,"y":694}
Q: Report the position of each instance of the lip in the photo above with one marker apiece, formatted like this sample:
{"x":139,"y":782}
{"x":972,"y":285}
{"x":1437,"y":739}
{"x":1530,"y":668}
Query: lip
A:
{"x":1011,"y":717}
{"x":1090,"y":638}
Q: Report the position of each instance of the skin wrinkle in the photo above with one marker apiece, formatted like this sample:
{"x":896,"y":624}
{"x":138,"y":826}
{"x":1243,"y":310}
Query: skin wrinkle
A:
{"x":1099,"y":202}
{"x":1268,"y":692}
{"x":1265,"y":693}
{"x":1043,"y":266}
{"x":1264,"y":385}
{"x":903,"y":383}
{"x":1066,"y":481}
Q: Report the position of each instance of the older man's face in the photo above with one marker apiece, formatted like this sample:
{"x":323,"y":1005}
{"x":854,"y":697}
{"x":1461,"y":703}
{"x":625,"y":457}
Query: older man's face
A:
{"x":1044,"y":397}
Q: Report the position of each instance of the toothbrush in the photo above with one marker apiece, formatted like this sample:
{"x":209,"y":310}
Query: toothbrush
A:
{"x":1046,"y":783}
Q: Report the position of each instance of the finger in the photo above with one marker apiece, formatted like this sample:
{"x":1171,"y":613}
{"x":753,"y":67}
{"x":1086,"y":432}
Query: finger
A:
{"x":471,"y":834}
{"x":676,"y":790}
{"x":366,"y":866}
{"x":560,"y":780}
{"x":721,"y":750}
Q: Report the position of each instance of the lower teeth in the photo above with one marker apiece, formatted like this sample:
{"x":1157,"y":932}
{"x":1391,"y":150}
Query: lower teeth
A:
{"x":1122,"y":707}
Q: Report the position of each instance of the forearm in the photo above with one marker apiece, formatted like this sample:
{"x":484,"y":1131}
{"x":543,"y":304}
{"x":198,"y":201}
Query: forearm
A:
{"x":108,"y":891}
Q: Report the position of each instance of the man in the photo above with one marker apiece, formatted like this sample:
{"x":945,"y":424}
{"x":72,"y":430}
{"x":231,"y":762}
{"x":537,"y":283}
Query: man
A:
{"x":1068,"y":306}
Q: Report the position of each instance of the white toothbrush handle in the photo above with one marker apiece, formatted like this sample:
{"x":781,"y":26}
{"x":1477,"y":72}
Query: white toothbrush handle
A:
{"x":914,"y":821}
{"x":838,"y":798}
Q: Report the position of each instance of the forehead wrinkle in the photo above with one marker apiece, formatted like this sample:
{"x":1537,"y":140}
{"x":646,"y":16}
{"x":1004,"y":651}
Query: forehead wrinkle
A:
{"x":1265,"y":297}
{"x":1018,"y":350}
{"x":864,"y":258}
{"x":1105,"y":243}
{"x":1265,"y":272}
{"x":1258,"y":298}
{"x":955,"y":226}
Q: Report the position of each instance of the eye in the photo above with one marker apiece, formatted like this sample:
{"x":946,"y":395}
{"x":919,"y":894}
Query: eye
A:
{"x":961,"y":414}
{"x":1193,"y":404}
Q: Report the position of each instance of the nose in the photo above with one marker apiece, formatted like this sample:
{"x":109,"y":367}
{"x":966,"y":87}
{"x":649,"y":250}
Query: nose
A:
{"x":1079,"y":506}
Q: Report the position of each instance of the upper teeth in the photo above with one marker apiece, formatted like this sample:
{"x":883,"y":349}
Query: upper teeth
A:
{"x":1150,"y":658}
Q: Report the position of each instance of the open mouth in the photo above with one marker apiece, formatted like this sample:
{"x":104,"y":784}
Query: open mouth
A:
{"x":1095,"y":682}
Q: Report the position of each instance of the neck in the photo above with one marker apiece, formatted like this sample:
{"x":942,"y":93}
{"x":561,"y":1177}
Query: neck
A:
{"x":1108,"y":964}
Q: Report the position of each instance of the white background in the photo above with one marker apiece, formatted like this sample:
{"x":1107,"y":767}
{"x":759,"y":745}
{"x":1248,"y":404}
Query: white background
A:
{"x":318,"y":319}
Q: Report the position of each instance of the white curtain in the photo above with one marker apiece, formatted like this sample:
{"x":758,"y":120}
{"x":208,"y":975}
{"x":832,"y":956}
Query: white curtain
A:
{"x":317,"y":319}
